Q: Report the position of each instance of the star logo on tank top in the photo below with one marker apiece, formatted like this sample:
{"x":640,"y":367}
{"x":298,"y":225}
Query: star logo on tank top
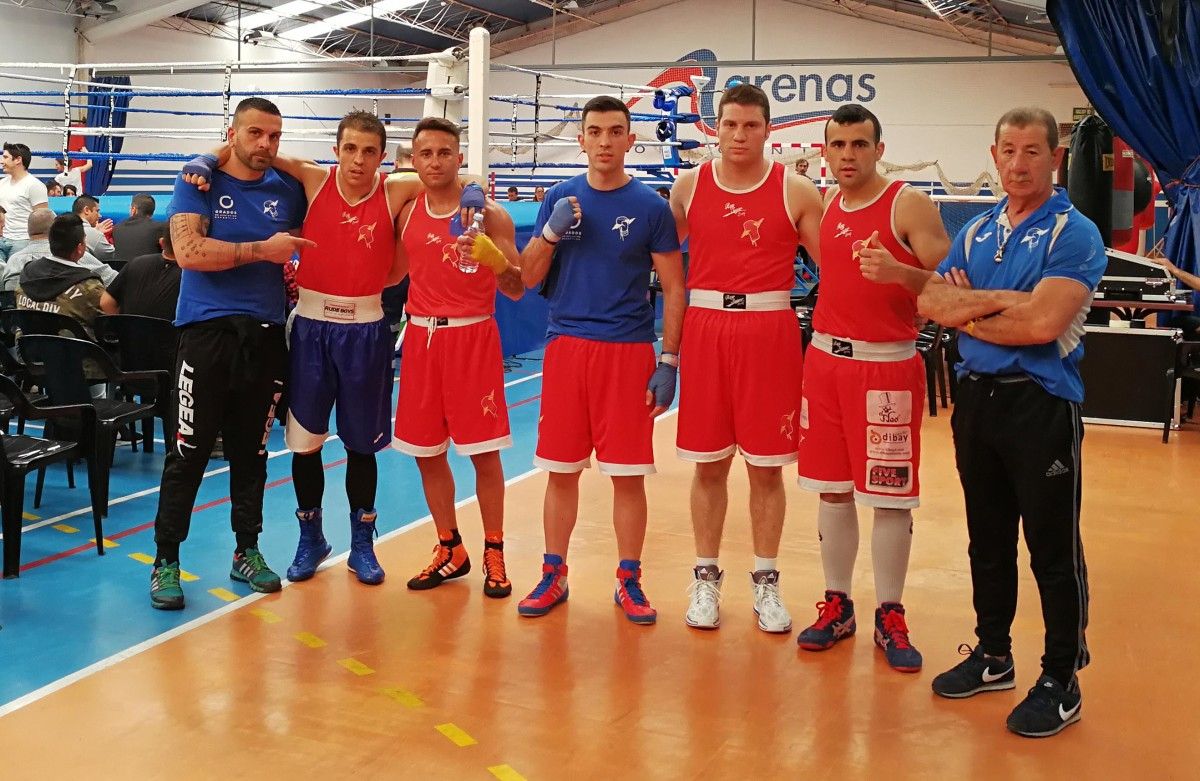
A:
{"x":432,"y":238}
{"x":622,"y":224}
{"x":366,"y":234}
{"x":349,"y":219}
{"x":856,"y":248}
{"x":271,"y":209}
{"x":450,"y":254}
{"x":488,"y":403}
{"x":787,"y":425}
{"x":750,"y":230}
{"x":843,"y":231}
{"x":733,"y":210}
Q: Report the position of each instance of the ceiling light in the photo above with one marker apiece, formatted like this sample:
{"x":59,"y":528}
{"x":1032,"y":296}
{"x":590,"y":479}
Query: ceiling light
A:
{"x":347,"y":19}
{"x":285,"y":11}
{"x":944,"y":8}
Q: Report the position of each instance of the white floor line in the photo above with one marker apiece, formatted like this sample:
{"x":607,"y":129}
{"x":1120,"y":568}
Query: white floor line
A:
{"x":50,"y":688}
{"x":146,"y":492}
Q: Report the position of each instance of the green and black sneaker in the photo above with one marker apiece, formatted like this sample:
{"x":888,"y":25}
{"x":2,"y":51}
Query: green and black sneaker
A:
{"x":165,"y":593}
{"x":251,"y":568}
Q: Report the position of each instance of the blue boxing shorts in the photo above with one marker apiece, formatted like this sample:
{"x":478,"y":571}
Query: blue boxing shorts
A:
{"x":341,"y":352}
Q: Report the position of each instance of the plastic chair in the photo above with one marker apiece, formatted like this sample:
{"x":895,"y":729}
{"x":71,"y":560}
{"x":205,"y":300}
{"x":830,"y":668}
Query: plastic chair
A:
{"x":66,"y":382}
{"x":20,"y":322}
{"x":142,"y":344}
{"x":23,"y":454}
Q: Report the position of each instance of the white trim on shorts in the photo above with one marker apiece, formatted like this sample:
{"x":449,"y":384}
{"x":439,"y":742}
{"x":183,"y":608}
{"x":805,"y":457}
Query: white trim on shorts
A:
{"x":887,"y":502}
{"x":625,"y":470}
{"x":698,"y":457}
{"x":295,"y":432}
{"x":825,"y":486}
{"x":419,"y":451}
{"x":489,"y":446}
{"x":450,"y":322}
{"x":564,"y":467}
{"x":769,"y":461}
{"x":338,"y":309}
{"x":770,"y":301}
{"x":876,"y":352}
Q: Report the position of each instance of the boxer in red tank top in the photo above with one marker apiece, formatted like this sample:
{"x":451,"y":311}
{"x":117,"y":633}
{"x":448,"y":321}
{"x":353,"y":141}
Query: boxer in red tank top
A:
{"x":452,"y":372}
{"x":740,"y":367}
{"x":864,"y":384}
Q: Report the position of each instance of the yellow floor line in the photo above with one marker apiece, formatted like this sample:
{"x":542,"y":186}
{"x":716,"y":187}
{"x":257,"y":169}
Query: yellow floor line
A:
{"x":355,"y":666}
{"x":31,"y":516}
{"x":185,"y":576}
{"x":505,"y":773}
{"x":405,"y":698}
{"x":456,"y":735}
{"x":65,"y":528}
{"x":142,"y":557}
{"x":107,"y":543}
{"x":266,"y":615}
{"x":311,"y":640}
{"x":225,"y":594}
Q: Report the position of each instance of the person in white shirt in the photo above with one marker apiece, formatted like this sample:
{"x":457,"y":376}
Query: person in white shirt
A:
{"x":20,"y":194}
{"x":71,"y":176}
{"x":94,"y":229}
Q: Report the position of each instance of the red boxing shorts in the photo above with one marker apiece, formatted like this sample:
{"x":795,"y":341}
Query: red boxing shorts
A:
{"x":451,"y":387}
{"x":860,"y":421}
{"x":739,"y":384}
{"x":594,"y":398}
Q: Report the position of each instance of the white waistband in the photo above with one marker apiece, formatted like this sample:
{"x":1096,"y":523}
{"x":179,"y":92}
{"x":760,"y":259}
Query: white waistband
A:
{"x":864,"y":351}
{"x":446,"y":322}
{"x":339,"y":309}
{"x":741,"y":302}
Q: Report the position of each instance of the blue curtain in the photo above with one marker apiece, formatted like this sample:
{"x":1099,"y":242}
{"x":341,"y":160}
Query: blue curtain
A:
{"x":1138,"y":61}
{"x":106,"y":108}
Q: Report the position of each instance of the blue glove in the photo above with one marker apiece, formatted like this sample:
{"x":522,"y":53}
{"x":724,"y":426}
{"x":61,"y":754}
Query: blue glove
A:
{"x":472,"y":198}
{"x":201,"y":166}
{"x":662,"y":384}
{"x":562,"y":217}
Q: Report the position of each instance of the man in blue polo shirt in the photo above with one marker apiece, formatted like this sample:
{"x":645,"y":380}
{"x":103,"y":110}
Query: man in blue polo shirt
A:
{"x":596,"y":239}
{"x":230,"y":240}
{"x":1018,"y":283}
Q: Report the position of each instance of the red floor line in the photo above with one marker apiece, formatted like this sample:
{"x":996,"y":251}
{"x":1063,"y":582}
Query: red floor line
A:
{"x":524,"y":401}
{"x":150,"y":524}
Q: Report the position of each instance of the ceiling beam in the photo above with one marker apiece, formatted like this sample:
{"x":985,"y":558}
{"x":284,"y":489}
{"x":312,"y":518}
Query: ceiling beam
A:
{"x":135,"y":14}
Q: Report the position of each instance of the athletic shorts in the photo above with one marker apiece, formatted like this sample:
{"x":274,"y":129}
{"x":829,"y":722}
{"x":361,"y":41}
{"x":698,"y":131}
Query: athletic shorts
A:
{"x":451,"y":388}
{"x":739,"y":386}
{"x":347,"y":364}
{"x":860,"y":424}
{"x":594,"y":398}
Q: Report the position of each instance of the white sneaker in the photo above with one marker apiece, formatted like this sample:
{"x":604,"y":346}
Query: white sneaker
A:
{"x":772,"y":615}
{"x":704,"y":609}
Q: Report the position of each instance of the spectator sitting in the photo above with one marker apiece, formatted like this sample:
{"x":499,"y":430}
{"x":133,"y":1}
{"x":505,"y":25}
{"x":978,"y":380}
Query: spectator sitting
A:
{"x":514,"y":194}
{"x":664,"y":191}
{"x":70,"y":191}
{"x":53,"y":189}
{"x":139,"y":234}
{"x":539,"y":194}
{"x":403,"y":168}
{"x":87,"y":209}
{"x":56,"y":282}
{"x":39,"y":228}
{"x":148,"y":285}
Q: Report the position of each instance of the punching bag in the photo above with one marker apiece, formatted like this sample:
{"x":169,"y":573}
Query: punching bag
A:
{"x":1123,"y":195}
{"x":1145,"y":187}
{"x":1090,"y":176}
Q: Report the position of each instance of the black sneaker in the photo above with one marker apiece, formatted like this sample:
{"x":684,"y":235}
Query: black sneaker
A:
{"x":1046,"y":710}
{"x":977,"y":673}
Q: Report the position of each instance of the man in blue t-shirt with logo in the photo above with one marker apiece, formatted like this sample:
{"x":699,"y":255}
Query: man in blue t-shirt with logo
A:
{"x":596,"y":239}
{"x":1018,"y":283}
{"x":230,"y":239}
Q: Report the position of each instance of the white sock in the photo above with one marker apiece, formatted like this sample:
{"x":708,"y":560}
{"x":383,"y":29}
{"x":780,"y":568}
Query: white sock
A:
{"x":837,"y":523}
{"x":765,"y":565}
{"x":891,"y":541}
{"x":702,"y":562}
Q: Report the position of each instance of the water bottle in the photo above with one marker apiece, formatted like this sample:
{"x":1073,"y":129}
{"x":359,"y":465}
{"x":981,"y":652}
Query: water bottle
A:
{"x":466,"y":264}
